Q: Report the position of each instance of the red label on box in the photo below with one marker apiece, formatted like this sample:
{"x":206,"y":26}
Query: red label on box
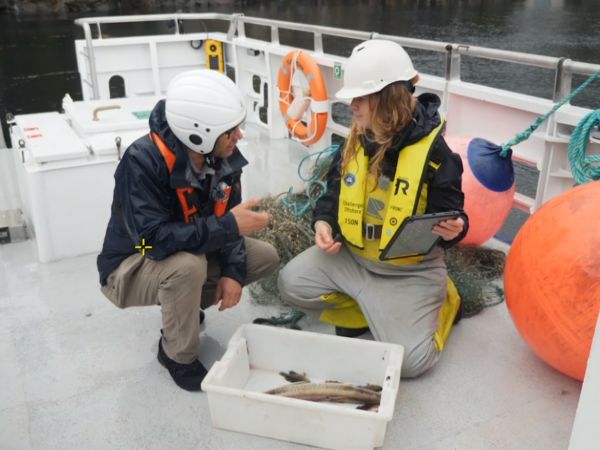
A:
{"x":33,"y":136}
{"x":30,"y":129}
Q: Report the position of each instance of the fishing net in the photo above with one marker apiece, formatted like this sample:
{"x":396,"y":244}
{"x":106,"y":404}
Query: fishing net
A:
{"x":474,"y":270}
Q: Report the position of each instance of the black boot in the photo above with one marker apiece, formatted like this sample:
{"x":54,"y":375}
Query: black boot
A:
{"x":350,"y":332}
{"x":186,"y":376}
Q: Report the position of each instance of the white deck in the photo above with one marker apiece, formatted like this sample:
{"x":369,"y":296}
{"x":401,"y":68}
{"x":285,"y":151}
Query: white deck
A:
{"x":78,"y":373}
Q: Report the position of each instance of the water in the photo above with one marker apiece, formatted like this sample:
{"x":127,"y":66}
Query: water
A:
{"x":38,"y":65}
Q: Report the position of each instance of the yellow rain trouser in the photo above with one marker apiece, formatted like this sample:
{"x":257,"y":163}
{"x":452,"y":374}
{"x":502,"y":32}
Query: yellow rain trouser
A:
{"x":347,"y":313}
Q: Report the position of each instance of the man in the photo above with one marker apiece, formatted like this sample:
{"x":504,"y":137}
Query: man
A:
{"x":176,"y":233}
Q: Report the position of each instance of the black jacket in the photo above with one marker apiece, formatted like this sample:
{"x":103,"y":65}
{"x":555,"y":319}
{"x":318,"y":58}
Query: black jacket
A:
{"x":445,"y":186}
{"x":145,"y":206}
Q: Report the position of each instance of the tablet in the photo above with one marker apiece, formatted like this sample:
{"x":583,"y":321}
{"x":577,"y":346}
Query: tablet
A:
{"x":415,"y":237}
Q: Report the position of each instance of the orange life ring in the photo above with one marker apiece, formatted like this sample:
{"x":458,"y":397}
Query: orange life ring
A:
{"x":299,"y":60}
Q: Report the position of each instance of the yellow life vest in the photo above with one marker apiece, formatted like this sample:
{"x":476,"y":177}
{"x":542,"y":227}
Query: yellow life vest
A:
{"x":405,"y":196}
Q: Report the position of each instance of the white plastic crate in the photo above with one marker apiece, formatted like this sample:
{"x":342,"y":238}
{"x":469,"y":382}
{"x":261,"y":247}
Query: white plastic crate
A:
{"x":256,"y":354}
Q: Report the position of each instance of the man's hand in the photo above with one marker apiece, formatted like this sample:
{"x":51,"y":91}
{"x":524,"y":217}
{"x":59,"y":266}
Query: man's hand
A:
{"x":230,"y":291}
{"x":449,"y":229}
{"x":324,"y":239}
{"x":250,"y":221}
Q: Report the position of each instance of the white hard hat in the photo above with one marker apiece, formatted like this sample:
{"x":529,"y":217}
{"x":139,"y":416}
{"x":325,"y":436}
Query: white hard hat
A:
{"x":373,"y":65}
{"x":201,"y":105}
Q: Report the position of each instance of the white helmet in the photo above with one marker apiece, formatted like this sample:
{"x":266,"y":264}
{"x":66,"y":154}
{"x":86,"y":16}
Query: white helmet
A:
{"x":373,"y":65}
{"x":201,"y":105}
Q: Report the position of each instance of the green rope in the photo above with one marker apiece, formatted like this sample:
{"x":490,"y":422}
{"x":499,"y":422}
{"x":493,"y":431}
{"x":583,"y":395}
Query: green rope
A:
{"x":520,"y":137}
{"x":291,"y":200}
{"x":581,"y":167}
{"x":329,"y":151}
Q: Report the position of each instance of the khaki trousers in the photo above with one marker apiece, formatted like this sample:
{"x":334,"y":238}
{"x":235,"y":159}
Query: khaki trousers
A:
{"x":182,"y":284}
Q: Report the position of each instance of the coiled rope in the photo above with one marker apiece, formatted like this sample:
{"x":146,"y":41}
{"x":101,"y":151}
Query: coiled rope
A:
{"x":581,"y":166}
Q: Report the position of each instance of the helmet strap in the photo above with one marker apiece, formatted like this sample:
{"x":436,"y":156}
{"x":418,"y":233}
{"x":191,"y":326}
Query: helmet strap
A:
{"x":212,"y":162}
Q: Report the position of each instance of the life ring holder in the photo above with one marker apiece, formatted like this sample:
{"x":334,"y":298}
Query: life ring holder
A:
{"x":297,"y":60}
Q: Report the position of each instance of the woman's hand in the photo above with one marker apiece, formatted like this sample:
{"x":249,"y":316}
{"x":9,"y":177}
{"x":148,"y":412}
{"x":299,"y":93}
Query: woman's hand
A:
{"x":324,"y":238}
{"x":449,"y":229}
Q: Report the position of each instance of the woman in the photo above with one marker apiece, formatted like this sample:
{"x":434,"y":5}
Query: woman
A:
{"x":394,"y":164}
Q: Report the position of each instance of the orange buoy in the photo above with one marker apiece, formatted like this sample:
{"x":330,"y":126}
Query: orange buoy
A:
{"x":298,"y":60}
{"x":488,"y":183}
{"x":552,"y":279}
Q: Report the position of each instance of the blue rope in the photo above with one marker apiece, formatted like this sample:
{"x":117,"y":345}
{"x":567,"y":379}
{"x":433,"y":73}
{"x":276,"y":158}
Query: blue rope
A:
{"x":581,"y":167}
{"x":329,"y":151}
{"x":520,"y":137}
{"x":290,"y":202}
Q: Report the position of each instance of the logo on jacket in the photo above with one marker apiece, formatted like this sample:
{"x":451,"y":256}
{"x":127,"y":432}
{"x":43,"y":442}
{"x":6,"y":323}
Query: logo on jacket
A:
{"x":375,"y":206}
{"x":403,"y":185}
{"x":350,"y":179}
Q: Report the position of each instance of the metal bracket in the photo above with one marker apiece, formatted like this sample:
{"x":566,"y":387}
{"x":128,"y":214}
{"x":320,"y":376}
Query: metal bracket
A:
{"x":452,"y":64}
{"x":21,"y":147}
{"x":274,"y":35}
{"x":118,"y":142}
{"x":318,"y":42}
{"x":562,"y":81}
{"x":234,"y":25}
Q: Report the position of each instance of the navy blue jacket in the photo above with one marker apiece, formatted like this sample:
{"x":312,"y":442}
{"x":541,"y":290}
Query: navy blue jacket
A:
{"x":146,"y":207}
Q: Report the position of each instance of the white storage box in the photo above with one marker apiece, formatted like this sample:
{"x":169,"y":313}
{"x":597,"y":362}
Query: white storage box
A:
{"x":256,"y":354}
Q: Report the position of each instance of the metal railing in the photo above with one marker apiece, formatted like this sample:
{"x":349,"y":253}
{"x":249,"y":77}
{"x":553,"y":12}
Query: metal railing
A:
{"x":564,"y":68}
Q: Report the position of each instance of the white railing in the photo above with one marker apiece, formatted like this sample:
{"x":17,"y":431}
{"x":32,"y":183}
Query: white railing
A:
{"x":546,"y":150}
{"x":564,"y":68}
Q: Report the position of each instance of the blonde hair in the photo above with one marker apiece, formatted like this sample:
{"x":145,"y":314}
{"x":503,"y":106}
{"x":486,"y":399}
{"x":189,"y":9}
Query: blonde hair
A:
{"x":392,"y":109}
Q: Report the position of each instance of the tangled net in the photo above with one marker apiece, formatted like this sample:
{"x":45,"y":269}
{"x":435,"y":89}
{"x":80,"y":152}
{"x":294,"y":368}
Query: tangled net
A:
{"x":474,"y":270}
{"x":289,"y":234}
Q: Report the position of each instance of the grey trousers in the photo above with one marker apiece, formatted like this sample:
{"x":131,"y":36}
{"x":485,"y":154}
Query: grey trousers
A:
{"x":401,"y":305}
{"x":182,"y":284}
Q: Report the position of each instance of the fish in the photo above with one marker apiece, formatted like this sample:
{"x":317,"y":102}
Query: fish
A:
{"x":368,"y":396}
{"x":368,"y":407}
